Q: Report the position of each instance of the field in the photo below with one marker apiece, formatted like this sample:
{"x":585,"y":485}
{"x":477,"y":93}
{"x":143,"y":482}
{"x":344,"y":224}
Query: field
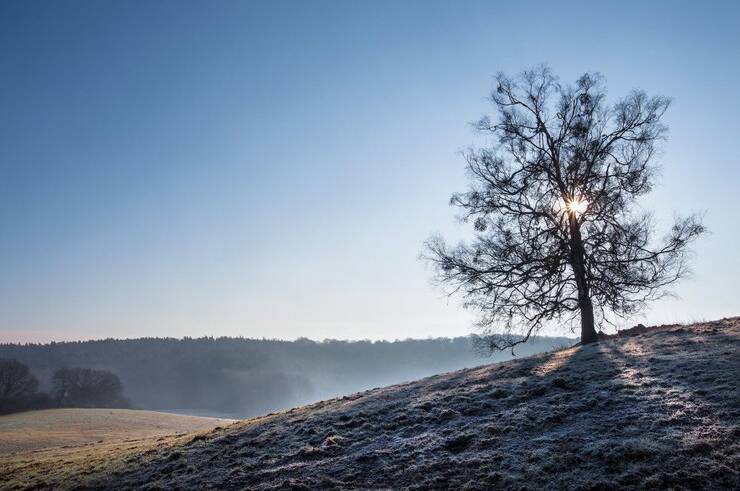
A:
{"x":40,"y":445}
{"x":35,"y":430}
{"x":655,"y":409}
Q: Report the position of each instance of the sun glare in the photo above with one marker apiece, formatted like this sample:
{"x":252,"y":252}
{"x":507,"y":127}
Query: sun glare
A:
{"x":577,"y":206}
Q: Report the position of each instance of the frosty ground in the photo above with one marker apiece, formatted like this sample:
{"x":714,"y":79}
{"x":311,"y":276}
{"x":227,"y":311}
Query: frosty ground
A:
{"x":654,"y":409}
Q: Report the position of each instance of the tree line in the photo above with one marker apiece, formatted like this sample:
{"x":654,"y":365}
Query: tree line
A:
{"x":70,"y":387}
{"x":245,"y":377}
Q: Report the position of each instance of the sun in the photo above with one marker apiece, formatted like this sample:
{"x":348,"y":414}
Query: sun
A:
{"x":577,"y":206}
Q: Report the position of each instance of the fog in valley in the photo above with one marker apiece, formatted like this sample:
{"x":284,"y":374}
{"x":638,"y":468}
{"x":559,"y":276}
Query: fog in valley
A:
{"x":240,"y":378}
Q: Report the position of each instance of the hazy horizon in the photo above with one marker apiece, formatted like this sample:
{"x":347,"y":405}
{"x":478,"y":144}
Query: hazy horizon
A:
{"x":178,"y":169}
{"x":568,"y":335}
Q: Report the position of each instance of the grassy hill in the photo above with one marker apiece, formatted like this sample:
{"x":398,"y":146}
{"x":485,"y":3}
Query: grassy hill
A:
{"x":654,"y":409}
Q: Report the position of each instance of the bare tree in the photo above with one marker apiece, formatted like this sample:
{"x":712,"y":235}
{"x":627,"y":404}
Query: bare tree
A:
{"x":86,"y":387}
{"x":559,"y":234}
{"x":17,"y":385}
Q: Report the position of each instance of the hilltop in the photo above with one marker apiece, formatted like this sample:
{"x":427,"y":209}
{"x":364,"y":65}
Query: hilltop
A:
{"x":654,"y":409}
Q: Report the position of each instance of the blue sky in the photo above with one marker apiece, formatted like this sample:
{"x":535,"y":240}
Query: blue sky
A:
{"x":272,"y":169}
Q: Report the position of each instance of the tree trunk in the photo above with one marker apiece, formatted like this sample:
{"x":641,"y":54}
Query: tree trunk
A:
{"x":588,"y":331}
{"x":577,"y":261}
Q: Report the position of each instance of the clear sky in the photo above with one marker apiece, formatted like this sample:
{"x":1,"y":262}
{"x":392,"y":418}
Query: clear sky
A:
{"x":272,"y":169}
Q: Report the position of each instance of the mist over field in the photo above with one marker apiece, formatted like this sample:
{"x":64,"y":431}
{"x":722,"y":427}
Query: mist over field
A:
{"x":240,"y":378}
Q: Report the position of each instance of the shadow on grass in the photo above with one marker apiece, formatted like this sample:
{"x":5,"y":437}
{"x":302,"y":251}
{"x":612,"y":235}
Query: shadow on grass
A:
{"x":652,"y":411}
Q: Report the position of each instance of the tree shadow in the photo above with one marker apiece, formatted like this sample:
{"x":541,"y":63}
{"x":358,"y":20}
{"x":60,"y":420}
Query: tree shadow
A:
{"x":618,"y":413}
{"x":656,"y":410}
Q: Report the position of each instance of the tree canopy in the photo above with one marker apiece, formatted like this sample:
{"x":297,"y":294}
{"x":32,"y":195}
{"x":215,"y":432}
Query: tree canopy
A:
{"x":559,"y":233}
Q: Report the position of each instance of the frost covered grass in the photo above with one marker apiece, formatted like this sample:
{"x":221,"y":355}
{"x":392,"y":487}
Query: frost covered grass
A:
{"x":656,"y":409}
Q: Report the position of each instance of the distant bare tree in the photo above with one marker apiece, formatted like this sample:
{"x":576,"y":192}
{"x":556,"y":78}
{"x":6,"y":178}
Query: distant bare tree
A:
{"x":86,"y":387}
{"x":17,"y":385}
{"x":553,"y":202}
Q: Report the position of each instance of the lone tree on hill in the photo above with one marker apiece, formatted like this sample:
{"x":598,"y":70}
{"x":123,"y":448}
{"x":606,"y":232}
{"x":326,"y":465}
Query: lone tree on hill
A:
{"x":553,"y":202}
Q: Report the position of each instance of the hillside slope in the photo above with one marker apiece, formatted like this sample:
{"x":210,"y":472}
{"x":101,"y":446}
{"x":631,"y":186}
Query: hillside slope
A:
{"x":658,"y":409}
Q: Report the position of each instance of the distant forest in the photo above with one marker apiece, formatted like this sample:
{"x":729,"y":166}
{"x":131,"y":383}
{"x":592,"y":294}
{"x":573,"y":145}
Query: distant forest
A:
{"x":241,"y":377}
